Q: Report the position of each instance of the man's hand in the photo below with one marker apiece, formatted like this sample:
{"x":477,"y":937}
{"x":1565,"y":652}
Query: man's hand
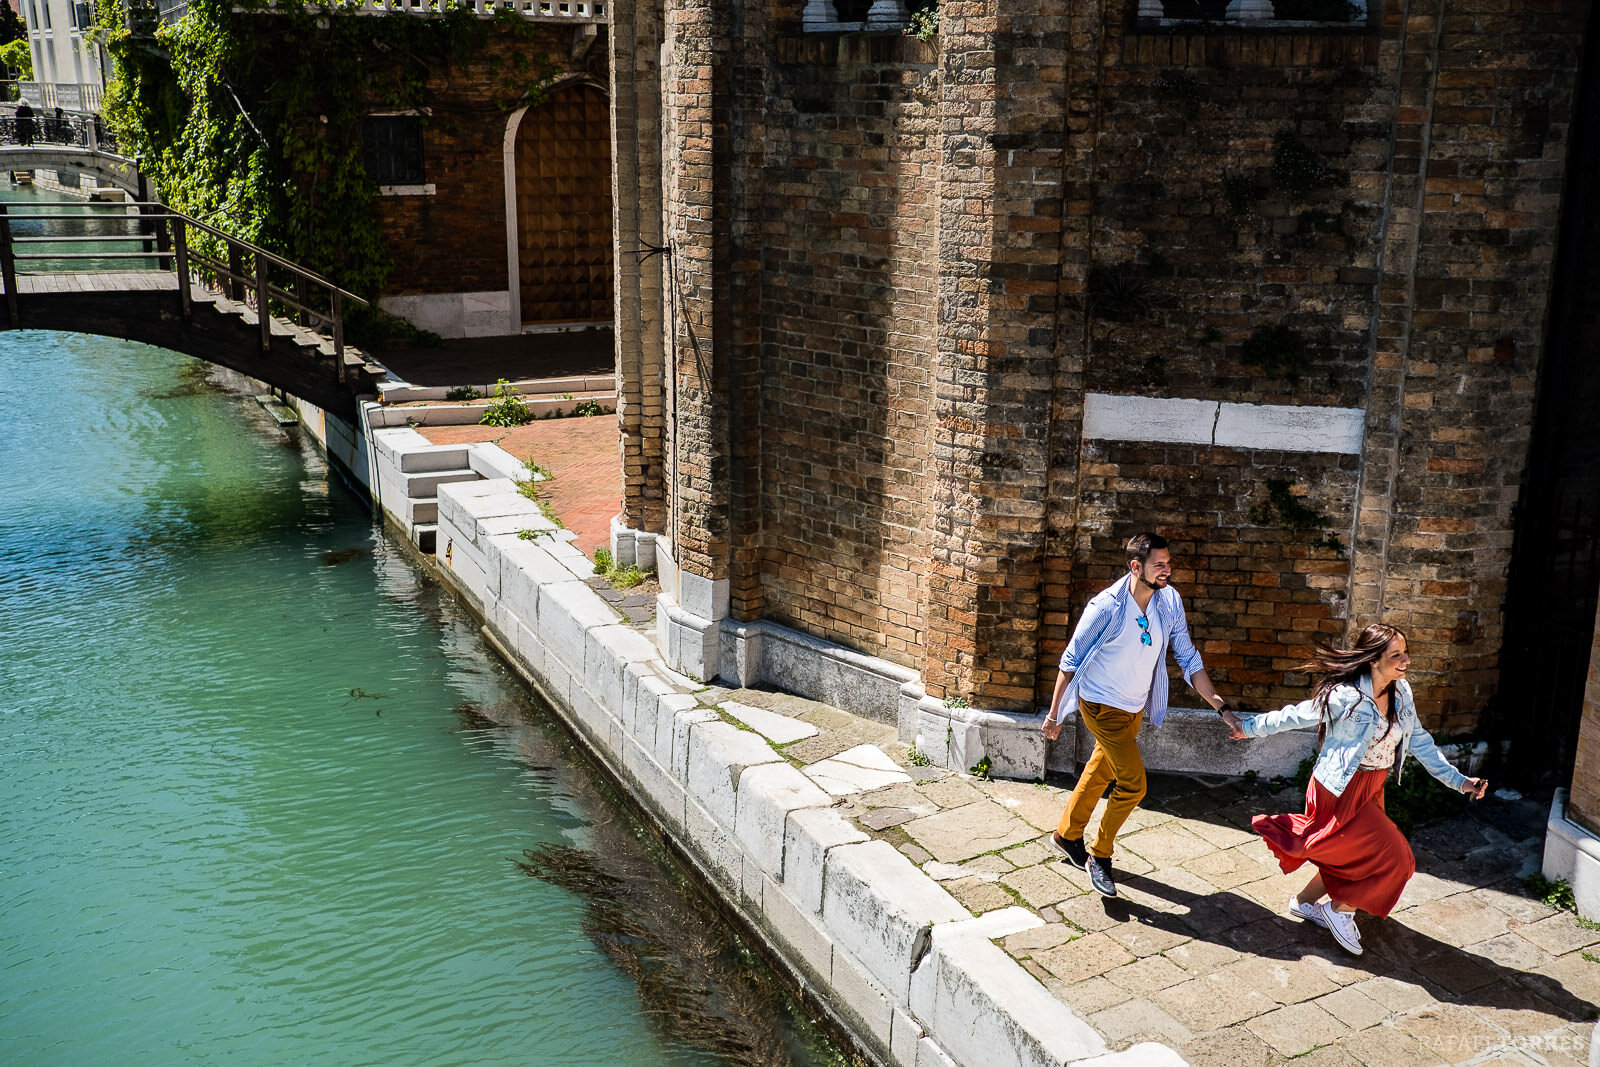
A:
{"x":1235,"y":728}
{"x":1051,"y":728}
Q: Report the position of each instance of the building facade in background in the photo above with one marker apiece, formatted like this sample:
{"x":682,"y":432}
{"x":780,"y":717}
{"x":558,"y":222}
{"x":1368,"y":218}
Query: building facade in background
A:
{"x":69,"y":69}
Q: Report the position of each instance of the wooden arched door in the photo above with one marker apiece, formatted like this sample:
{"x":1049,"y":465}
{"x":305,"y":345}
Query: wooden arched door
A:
{"x":563,"y":174}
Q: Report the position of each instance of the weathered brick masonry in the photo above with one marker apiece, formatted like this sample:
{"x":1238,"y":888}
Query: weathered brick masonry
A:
{"x":901,"y":271}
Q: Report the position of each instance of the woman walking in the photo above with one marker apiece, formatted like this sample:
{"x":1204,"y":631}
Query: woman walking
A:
{"x":1364,"y":708}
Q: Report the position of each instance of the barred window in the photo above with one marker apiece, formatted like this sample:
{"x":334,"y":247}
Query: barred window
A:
{"x":393,"y":149}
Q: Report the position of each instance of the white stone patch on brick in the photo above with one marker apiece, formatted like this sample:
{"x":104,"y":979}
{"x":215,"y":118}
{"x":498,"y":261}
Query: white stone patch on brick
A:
{"x":807,"y":837}
{"x":719,"y":753}
{"x":986,"y":1008}
{"x":877,"y":902}
{"x":856,"y":771}
{"x":779,"y":729}
{"x":1268,"y":427}
{"x":767,"y":794}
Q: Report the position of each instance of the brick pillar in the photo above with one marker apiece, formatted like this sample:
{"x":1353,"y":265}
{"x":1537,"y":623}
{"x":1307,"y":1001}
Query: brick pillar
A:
{"x":640,"y":297}
{"x":1003,"y":120}
{"x":695,"y":193}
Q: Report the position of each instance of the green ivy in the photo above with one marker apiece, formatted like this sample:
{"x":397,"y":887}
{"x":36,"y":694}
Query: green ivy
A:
{"x":252,"y":119}
{"x":1282,"y":508}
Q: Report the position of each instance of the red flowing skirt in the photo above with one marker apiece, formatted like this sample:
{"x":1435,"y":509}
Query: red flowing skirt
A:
{"x":1364,"y":859}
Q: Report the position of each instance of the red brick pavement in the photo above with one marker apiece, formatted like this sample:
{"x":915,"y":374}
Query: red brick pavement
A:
{"x":585,"y":463}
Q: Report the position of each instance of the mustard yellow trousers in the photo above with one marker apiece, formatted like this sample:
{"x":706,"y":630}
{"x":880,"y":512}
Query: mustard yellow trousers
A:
{"x":1116,"y":755}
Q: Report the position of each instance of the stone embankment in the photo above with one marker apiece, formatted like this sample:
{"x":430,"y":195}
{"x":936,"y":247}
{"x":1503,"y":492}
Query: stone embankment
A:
{"x":895,"y":956}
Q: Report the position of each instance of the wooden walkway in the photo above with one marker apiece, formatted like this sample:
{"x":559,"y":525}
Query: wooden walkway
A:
{"x":126,"y":281}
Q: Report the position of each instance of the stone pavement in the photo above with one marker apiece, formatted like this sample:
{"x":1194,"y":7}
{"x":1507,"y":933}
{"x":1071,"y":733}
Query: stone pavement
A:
{"x":1197,"y":953}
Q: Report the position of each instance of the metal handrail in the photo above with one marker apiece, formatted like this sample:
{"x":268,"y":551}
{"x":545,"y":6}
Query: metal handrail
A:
{"x":172,"y":245}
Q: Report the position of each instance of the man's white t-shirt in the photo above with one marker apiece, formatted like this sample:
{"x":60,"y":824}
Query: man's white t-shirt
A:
{"x":1121,"y":671}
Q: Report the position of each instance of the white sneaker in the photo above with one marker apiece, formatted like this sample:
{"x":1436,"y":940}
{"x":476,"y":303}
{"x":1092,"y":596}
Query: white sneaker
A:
{"x":1342,"y":925}
{"x":1308,"y":912}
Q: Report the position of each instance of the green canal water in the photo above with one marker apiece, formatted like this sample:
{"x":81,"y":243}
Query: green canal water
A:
{"x":254,"y":806}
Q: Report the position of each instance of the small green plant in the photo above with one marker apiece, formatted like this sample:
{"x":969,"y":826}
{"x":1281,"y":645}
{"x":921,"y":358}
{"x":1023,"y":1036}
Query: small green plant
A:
{"x":956,"y":702}
{"x":1283,"y":509}
{"x":924,"y":24}
{"x":463,"y":392}
{"x":627,"y":577}
{"x":536,"y":470}
{"x":1556,"y":894}
{"x":507,"y":408}
{"x":918,"y":758}
{"x":586,"y":408}
{"x":602,"y":561}
{"x":981,"y":769}
{"x":529,"y":535}
{"x":1590,"y":956}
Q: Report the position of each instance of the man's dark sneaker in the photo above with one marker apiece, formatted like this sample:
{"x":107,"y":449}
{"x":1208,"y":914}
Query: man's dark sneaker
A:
{"x":1100,"y":876}
{"x":1076,"y":854}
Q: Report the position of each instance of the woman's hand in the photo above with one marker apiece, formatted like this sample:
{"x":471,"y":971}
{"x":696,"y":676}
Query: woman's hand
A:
{"x":1475,"y":787}
{"x":1235,"y":728}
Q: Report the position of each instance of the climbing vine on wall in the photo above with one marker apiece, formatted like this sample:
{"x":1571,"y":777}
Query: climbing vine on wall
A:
{"x":252,"y":118}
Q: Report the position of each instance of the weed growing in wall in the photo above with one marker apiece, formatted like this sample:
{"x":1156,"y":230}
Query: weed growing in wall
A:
{"x":507,"y":408}
{"x":1285,"y":510}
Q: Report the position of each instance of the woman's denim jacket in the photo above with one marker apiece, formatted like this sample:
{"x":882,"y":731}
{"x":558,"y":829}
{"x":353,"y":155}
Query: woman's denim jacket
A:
{"x":1354,"y":722}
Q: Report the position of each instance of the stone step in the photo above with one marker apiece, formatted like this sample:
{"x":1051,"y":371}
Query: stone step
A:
{"x":425,"y":536}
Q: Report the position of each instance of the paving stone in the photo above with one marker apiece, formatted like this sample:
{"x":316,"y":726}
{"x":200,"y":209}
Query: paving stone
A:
{"x":961,"y":833}
{"x":1286,"y":982}
{"x":1087,"y":912}
{"x":1221,"y":835}
{"x":1085,"y":957}
{"x":1144,"y":939}
{"x":1452,"y":1032}
{"x":1032,"y":853}
{"x":988,"y":865}
{"x":1456,"y":971}
{"x":1201,"y":957}
{"x":898,"y":795}
{"x":1458,"y":920}
{"x":978,"y":895}
{"x":1397,"y":996}
{"x":1519,"y":1011}
{"x":1328,"y":1056}
{"x":1027,"y":942}
{"x":1164,"y":846}
{"x":1212,"y":1001}
{"x":1212,"y":916}
{"x":1559,"y":934}
{"x":855,"y":770}
{"x":1228,"y":869}
{"x":816,"y":749}
{"x":1039,"y":886}
{"x":1571,"y":982}
{"x":913,"y":852}
{"x":1138,"y":1020}
{"x":1144,"y":819}
{"x":884,"y":818}
{"x":1036,"y":805}
{"x":1231,"y":1047}
{"x":1353,"y":1008}
{"x":1148,"y":975}
{"x":779,"y":729}
{"x":1273,"y":892}
{"x":1519,"y":906}
{"x":1387,"y":1046}
{"x":1090,"y":995}
{"x":1297,"y":1029}
{"x":952,"y":792}
{"x":1424,"y":888}
{"x":1513,"y":951}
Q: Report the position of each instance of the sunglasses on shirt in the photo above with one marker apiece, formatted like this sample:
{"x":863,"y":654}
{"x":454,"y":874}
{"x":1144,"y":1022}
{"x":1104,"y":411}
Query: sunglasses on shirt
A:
{"x":1144,"y":629}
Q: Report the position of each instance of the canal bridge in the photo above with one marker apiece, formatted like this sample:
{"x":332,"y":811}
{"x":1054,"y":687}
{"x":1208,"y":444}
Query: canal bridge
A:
{"x":143,"y":272}
{"x":74,"y":145}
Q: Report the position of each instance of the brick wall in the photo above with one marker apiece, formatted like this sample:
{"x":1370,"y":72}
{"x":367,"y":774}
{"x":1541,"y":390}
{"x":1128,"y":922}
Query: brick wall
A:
{"x":454,"y":241}
{"x":847,"y":259}
{"x":931,"y":258}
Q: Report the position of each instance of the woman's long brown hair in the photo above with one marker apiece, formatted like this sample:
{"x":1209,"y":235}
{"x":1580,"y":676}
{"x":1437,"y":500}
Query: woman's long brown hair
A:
{"x":1345,"y":666}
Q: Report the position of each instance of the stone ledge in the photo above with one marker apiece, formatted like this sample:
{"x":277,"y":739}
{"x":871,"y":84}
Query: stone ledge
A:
{"x":1572,"y":855}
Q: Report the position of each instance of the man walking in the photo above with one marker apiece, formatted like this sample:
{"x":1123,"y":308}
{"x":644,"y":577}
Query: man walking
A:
{"x":1112,"y":670}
